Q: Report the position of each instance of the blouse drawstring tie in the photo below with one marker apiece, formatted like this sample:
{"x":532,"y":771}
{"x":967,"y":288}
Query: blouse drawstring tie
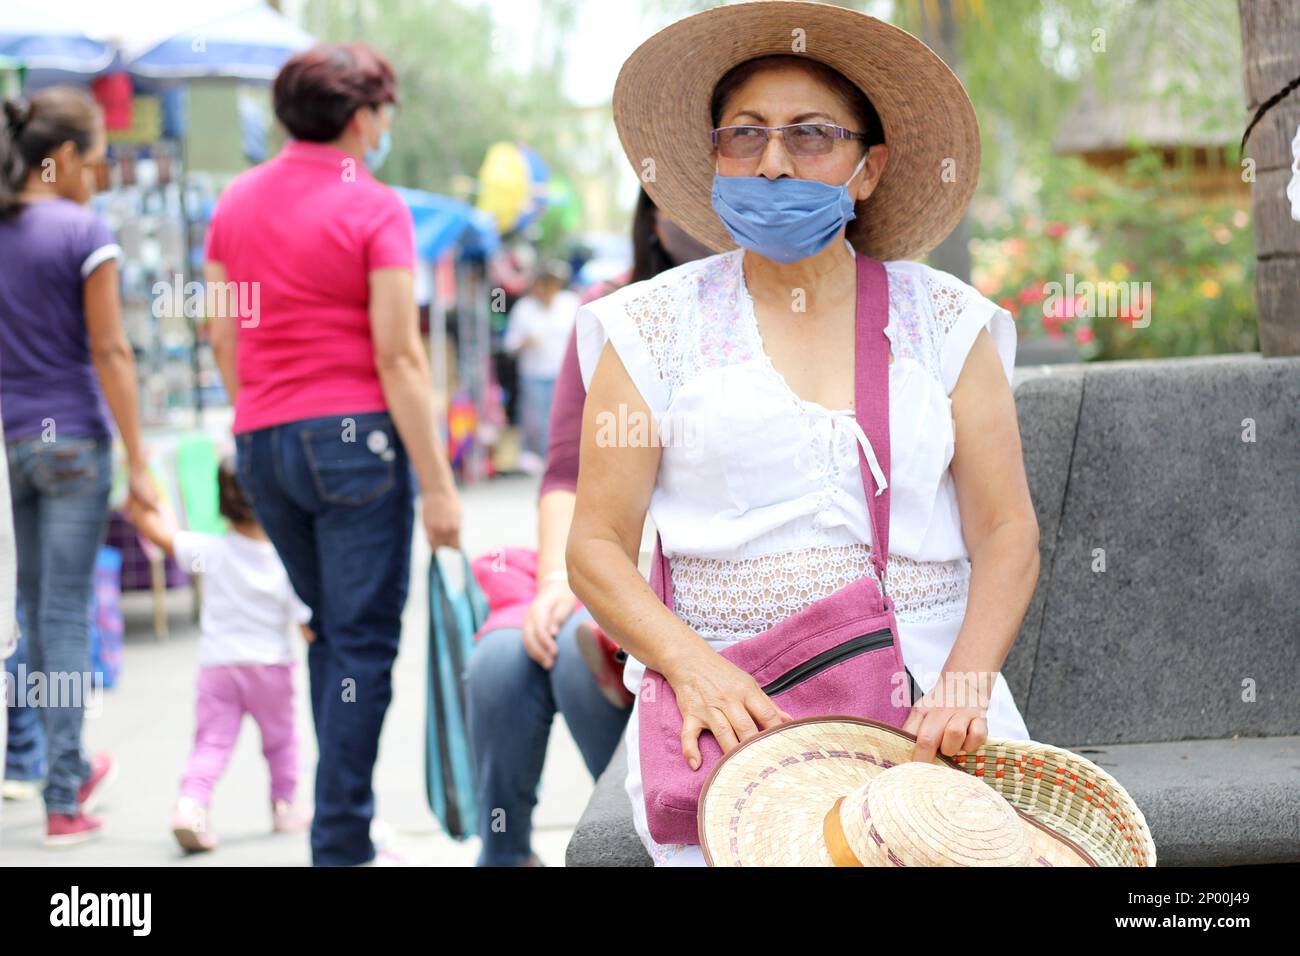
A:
{"x":847,"y":417}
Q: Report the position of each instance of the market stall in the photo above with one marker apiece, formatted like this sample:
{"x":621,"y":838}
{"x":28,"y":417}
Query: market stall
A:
{"x":454,"y":241}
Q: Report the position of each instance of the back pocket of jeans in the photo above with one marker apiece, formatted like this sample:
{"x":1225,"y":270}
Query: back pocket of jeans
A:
{"x":347,"y":469}
{"x":71,"y":466}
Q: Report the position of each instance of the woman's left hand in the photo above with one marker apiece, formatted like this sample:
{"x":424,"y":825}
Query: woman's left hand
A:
{"x":949,"y":729}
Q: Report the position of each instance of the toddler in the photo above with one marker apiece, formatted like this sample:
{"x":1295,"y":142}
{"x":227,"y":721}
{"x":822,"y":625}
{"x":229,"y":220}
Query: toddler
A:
{"x":245,"y":659}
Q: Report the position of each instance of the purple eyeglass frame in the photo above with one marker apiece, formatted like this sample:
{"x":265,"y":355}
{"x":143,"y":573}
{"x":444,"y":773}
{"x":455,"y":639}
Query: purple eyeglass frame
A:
{"x":837,"y":132}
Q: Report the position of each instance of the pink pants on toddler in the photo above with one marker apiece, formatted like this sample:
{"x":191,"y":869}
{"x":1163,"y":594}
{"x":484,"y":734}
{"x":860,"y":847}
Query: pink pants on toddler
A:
{"x":226,"y":693}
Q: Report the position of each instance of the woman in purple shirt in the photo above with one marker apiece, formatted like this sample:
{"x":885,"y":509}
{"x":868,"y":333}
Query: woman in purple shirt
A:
{"x":65,"y":364}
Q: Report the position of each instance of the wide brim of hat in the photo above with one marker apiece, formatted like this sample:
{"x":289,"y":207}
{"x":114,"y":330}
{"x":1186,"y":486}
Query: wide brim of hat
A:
{"x":661,"y":111}
{"x":765,"y":803}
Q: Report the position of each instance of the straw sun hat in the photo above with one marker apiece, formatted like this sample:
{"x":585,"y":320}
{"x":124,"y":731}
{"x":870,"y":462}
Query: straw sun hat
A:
{"x":844,"y":791}
{"x":661,"y":110}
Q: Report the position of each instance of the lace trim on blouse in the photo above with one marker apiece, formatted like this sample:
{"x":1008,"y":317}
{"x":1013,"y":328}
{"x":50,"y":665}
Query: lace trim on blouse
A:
{"x":734,"y":600}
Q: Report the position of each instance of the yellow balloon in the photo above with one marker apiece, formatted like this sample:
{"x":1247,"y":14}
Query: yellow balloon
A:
{"x":504,"y":185}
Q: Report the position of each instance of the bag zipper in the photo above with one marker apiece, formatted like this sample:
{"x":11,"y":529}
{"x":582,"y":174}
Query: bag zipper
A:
{"x":828,"y":658}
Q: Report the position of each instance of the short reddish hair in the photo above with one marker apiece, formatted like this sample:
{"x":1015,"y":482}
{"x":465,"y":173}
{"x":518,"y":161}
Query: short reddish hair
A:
{"x":317,"y":91}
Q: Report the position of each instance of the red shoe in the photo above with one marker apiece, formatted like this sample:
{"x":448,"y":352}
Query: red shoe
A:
{"x":103,"y":771}
{"x":606,"y":659}
{"x":66,"y":829}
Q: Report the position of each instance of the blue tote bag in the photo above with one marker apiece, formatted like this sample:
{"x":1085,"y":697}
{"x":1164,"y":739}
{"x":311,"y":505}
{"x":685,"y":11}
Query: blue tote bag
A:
{"x":457,"y":609}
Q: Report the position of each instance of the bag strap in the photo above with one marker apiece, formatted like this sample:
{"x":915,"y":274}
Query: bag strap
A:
{"x":661,"y":578}
{"x":871,"y":410}
{"x":871,"y":398}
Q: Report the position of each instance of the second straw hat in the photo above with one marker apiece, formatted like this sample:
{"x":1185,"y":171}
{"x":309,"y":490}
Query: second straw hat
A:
{"x":661,"y":110}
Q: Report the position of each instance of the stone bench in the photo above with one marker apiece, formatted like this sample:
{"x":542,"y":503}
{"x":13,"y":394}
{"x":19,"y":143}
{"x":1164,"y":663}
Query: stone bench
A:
{"x":1177,"y":667}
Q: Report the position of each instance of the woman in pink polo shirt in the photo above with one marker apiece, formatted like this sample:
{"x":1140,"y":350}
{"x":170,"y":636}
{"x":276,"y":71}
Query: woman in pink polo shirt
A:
{"x":317,"y":340}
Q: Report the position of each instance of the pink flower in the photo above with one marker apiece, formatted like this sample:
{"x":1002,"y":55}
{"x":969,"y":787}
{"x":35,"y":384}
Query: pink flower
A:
{"x":1030,"y":294}
{"x":1063,"y":310}
{"x":1083,"y":334}
{"x":1056,"y":229}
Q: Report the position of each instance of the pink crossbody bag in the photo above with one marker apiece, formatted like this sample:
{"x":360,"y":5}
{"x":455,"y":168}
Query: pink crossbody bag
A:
{"x":838,"y":656}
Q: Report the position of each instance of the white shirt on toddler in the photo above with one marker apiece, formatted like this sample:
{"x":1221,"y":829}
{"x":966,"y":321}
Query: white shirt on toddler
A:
{"x":249,"y":606}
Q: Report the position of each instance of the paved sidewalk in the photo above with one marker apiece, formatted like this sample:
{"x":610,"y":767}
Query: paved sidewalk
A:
{"x":147,"y":722}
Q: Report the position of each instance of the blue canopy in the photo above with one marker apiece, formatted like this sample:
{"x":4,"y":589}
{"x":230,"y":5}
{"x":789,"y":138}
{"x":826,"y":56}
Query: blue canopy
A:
{"x":35,"y":35}
{"x":160,"y":42}
{"x":248,"y":44}
{"x":442,"y":222}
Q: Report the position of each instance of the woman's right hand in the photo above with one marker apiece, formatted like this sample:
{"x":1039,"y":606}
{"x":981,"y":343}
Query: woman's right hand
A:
{"x":546,"y":615}
{"x":714,"y":694}
{"x":141,"y":490}
{"x":440,"y":514}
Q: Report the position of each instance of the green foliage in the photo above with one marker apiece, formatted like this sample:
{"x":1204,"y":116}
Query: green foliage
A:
{"x":1140,"y":226}
{"x":1020,"y":60}
{"x":459,"y":90}
{"x":1040,"y":217}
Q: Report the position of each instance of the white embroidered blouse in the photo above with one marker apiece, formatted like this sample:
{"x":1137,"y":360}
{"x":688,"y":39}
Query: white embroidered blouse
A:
{"x":759,"y":499}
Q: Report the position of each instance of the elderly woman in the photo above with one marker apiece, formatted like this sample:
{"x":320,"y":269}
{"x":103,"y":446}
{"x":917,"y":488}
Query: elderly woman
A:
{"x":833,"y":134}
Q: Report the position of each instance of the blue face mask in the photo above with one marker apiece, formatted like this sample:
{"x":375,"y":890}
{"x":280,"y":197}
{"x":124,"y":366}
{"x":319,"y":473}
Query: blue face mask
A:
{"x":782,"y":219}
{"x":374,"y":158}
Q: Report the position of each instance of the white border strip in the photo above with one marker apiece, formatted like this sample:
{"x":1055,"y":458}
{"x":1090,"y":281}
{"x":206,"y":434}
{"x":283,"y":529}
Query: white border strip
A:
{"x":99,"y":257}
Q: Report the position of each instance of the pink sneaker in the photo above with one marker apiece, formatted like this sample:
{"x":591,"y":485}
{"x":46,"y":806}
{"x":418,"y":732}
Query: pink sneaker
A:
{"x":67,"y":829}
{"x":103,"y":771}
{"x":288,"y":817}
{"x":191,"y":828}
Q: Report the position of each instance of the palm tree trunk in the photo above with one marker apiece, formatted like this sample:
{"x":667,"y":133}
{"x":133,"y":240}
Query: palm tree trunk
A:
{"x":1270,"y":41}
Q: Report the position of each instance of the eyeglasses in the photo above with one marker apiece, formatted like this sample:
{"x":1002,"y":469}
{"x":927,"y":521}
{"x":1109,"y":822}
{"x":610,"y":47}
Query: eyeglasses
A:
{"x":801,"y":139}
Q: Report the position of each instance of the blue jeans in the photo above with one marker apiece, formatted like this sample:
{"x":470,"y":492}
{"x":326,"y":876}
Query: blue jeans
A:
{"x":335,"y":495}
{"x":511,"y":700}
{"x":25,"y":752}
{"x":535,"y":396}
{"x":60,"y":501}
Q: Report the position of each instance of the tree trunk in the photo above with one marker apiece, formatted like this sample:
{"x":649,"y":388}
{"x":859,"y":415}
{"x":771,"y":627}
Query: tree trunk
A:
{"x":1270,"y":46}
